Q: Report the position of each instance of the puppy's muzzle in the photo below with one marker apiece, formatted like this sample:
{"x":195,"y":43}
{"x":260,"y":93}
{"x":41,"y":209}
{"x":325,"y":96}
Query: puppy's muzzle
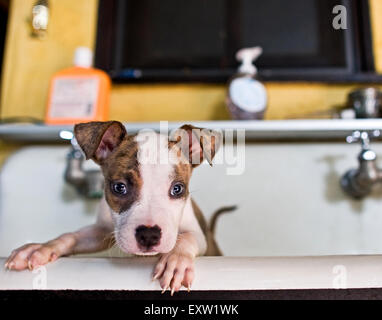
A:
{"x":148,"y":237}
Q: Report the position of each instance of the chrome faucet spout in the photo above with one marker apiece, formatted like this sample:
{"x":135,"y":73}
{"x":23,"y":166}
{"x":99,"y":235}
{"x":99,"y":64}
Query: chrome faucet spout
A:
{"x":88,"y":183}
{"x":358,"y":183}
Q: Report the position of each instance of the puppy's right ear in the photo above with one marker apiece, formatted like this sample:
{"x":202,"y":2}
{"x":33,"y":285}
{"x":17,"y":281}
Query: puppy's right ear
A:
{"x":99,"y":139}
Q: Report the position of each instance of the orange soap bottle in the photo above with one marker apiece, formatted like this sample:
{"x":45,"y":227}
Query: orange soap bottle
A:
{"x":80,"y":93}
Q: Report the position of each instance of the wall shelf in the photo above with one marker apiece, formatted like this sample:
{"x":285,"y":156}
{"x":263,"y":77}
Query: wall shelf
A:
{"x":254,"y":130}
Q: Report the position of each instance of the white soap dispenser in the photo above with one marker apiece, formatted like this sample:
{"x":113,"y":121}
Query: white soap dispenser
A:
{"x":246,"y":96}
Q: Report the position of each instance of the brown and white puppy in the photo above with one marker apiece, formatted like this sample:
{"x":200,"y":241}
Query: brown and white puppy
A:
{"x":147,"y":208}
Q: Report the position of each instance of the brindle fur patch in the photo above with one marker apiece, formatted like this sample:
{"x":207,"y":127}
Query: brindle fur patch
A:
{"x":122,"y":166}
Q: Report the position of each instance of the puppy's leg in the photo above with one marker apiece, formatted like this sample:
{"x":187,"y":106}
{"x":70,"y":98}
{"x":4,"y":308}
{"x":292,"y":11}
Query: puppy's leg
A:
{"x":89,"y":239}
{"x":93,"y":238}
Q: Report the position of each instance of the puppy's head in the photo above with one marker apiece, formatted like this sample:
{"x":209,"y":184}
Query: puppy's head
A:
{"x":146,"y":179}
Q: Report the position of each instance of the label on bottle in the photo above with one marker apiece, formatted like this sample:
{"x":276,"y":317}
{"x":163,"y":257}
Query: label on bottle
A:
{"x":74,"y":98}
{"x":248,"y":94}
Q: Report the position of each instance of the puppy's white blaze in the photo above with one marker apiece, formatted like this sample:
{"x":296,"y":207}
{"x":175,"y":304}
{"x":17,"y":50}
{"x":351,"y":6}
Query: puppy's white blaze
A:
{"x":155,"y":207}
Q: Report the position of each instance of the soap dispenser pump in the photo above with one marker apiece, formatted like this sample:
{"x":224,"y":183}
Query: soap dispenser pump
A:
{"x":246,"y":96}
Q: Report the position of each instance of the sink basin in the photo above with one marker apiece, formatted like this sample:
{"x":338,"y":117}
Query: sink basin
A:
{"x":294,"y":227}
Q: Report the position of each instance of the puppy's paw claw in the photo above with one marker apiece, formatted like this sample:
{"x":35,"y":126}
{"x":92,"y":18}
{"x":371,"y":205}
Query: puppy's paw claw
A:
{"x":155,"y":277}
{"x":164,"y":290}
{"x":10,"y":265}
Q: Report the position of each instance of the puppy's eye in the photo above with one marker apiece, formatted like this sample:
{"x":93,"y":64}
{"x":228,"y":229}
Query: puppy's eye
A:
{"x":119,"y":188}
{"x":177,"y":190}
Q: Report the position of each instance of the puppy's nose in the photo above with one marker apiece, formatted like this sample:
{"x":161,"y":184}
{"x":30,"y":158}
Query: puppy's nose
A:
{"x":148,"y":236}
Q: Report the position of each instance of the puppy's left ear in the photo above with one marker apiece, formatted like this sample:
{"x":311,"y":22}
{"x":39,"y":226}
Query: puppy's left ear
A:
{"x":197,"y":144}
{"x":99,"y":139}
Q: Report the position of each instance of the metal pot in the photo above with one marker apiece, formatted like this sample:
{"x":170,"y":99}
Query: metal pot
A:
{"x":366,"y":102}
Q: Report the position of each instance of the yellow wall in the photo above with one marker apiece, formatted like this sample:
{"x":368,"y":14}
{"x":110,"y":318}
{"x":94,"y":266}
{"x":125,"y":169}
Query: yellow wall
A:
{"x":201,"y":102}
{"x":376,"y":21}
{"x":29,"y":63}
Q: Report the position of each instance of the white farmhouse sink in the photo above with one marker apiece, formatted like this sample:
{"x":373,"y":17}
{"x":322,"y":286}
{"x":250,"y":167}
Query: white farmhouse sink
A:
{"x":294,"y":227}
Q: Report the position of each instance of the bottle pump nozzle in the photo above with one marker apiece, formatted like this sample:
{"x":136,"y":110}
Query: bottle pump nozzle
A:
{"x":247,"y":56}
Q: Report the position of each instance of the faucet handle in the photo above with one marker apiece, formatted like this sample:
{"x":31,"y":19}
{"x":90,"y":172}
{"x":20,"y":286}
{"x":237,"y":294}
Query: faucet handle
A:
{"x":363,"y":136}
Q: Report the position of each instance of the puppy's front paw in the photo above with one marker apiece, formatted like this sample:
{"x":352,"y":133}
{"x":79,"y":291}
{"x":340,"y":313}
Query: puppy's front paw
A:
{"x":31,"y":256}
{"x":174,"y":270}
